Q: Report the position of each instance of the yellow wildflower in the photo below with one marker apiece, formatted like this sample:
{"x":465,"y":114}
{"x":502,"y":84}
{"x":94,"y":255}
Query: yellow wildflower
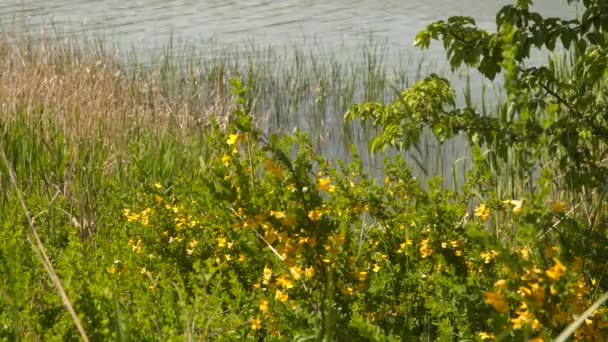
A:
{"x":284,"y":282}
{"x":132,"y":217}
{"x":277,"y":214}
{"x":524,"y":291}
{"x":281,"y":296}
{"x":361,"y":276}
{"x":488,"y":256}
{"x":348,"y":291}
{"x":309,"y":272}
{"x":501,"y":284}
{"x":263,"y":305}
{"x":144,"y":218}
{"x":497,"y":300}
{"x":255,"y":324}
{"x":376,"y":268}
{"x":486,"y":336}
{"x":221,"y":242}
{"x":112,"y":269}
{"x":267,"y":275}
{"x":158,"y":185}
{"x":525,"y":253}
{"x":557,"y":271}
{"x":482,"y":211}
{"x":324,"y":183}
{"x":315,"y":214}
{"x":180,"y":224}
{"x":425,"y":249}
{"x":295,"y":272}
{"x":232,"y":138}
{"x":226,"y":159}
{"x":519,"y":322}
{"x":558,"y":207}
{"x":454,"y":243}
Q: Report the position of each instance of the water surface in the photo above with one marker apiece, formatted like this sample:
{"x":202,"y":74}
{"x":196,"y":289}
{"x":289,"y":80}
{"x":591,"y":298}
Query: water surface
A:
{"x":338,"y":24}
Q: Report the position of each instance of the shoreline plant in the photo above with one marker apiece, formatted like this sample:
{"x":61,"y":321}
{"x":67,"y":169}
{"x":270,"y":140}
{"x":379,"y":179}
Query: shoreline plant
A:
{"x":230,"y":233}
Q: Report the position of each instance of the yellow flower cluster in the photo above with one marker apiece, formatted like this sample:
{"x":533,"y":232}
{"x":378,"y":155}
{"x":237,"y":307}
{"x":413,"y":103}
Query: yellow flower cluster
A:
{"x":317,"y":213}
{"x":486,"y":336}
{"x":226,"y":159}
{"x":233,"y":139}
{"x":256,"y":324}
{"x":488,"y":256}
{"x":546,"y":298}
{"x":425,"y":248}
{"x":142,"y":216}
{"x":482,"y":211}
{"x":135,"y":246}
{"x":403,"y":245}
{"x":557,"y":271}
{"x":497,"y":300}
{"x":117,"y":267}
{"x":324,"y":184}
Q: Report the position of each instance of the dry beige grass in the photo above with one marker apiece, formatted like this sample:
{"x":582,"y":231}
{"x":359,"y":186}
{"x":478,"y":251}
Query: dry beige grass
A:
{"x":79,"y":86}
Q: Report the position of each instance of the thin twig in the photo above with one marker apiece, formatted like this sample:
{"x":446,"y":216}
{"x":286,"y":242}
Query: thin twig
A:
{"x":560,"y":220}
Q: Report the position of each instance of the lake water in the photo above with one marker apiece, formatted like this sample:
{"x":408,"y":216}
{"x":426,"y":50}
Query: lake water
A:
{"x":337,"y":24}
{"x":340,"y":27}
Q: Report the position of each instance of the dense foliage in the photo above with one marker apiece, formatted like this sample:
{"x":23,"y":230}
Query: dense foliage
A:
{"x":229,"y":234}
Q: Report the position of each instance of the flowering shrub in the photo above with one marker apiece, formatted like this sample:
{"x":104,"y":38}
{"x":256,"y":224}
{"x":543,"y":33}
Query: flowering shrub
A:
{"x":272,"y":241}
{"x":297,"y":247}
